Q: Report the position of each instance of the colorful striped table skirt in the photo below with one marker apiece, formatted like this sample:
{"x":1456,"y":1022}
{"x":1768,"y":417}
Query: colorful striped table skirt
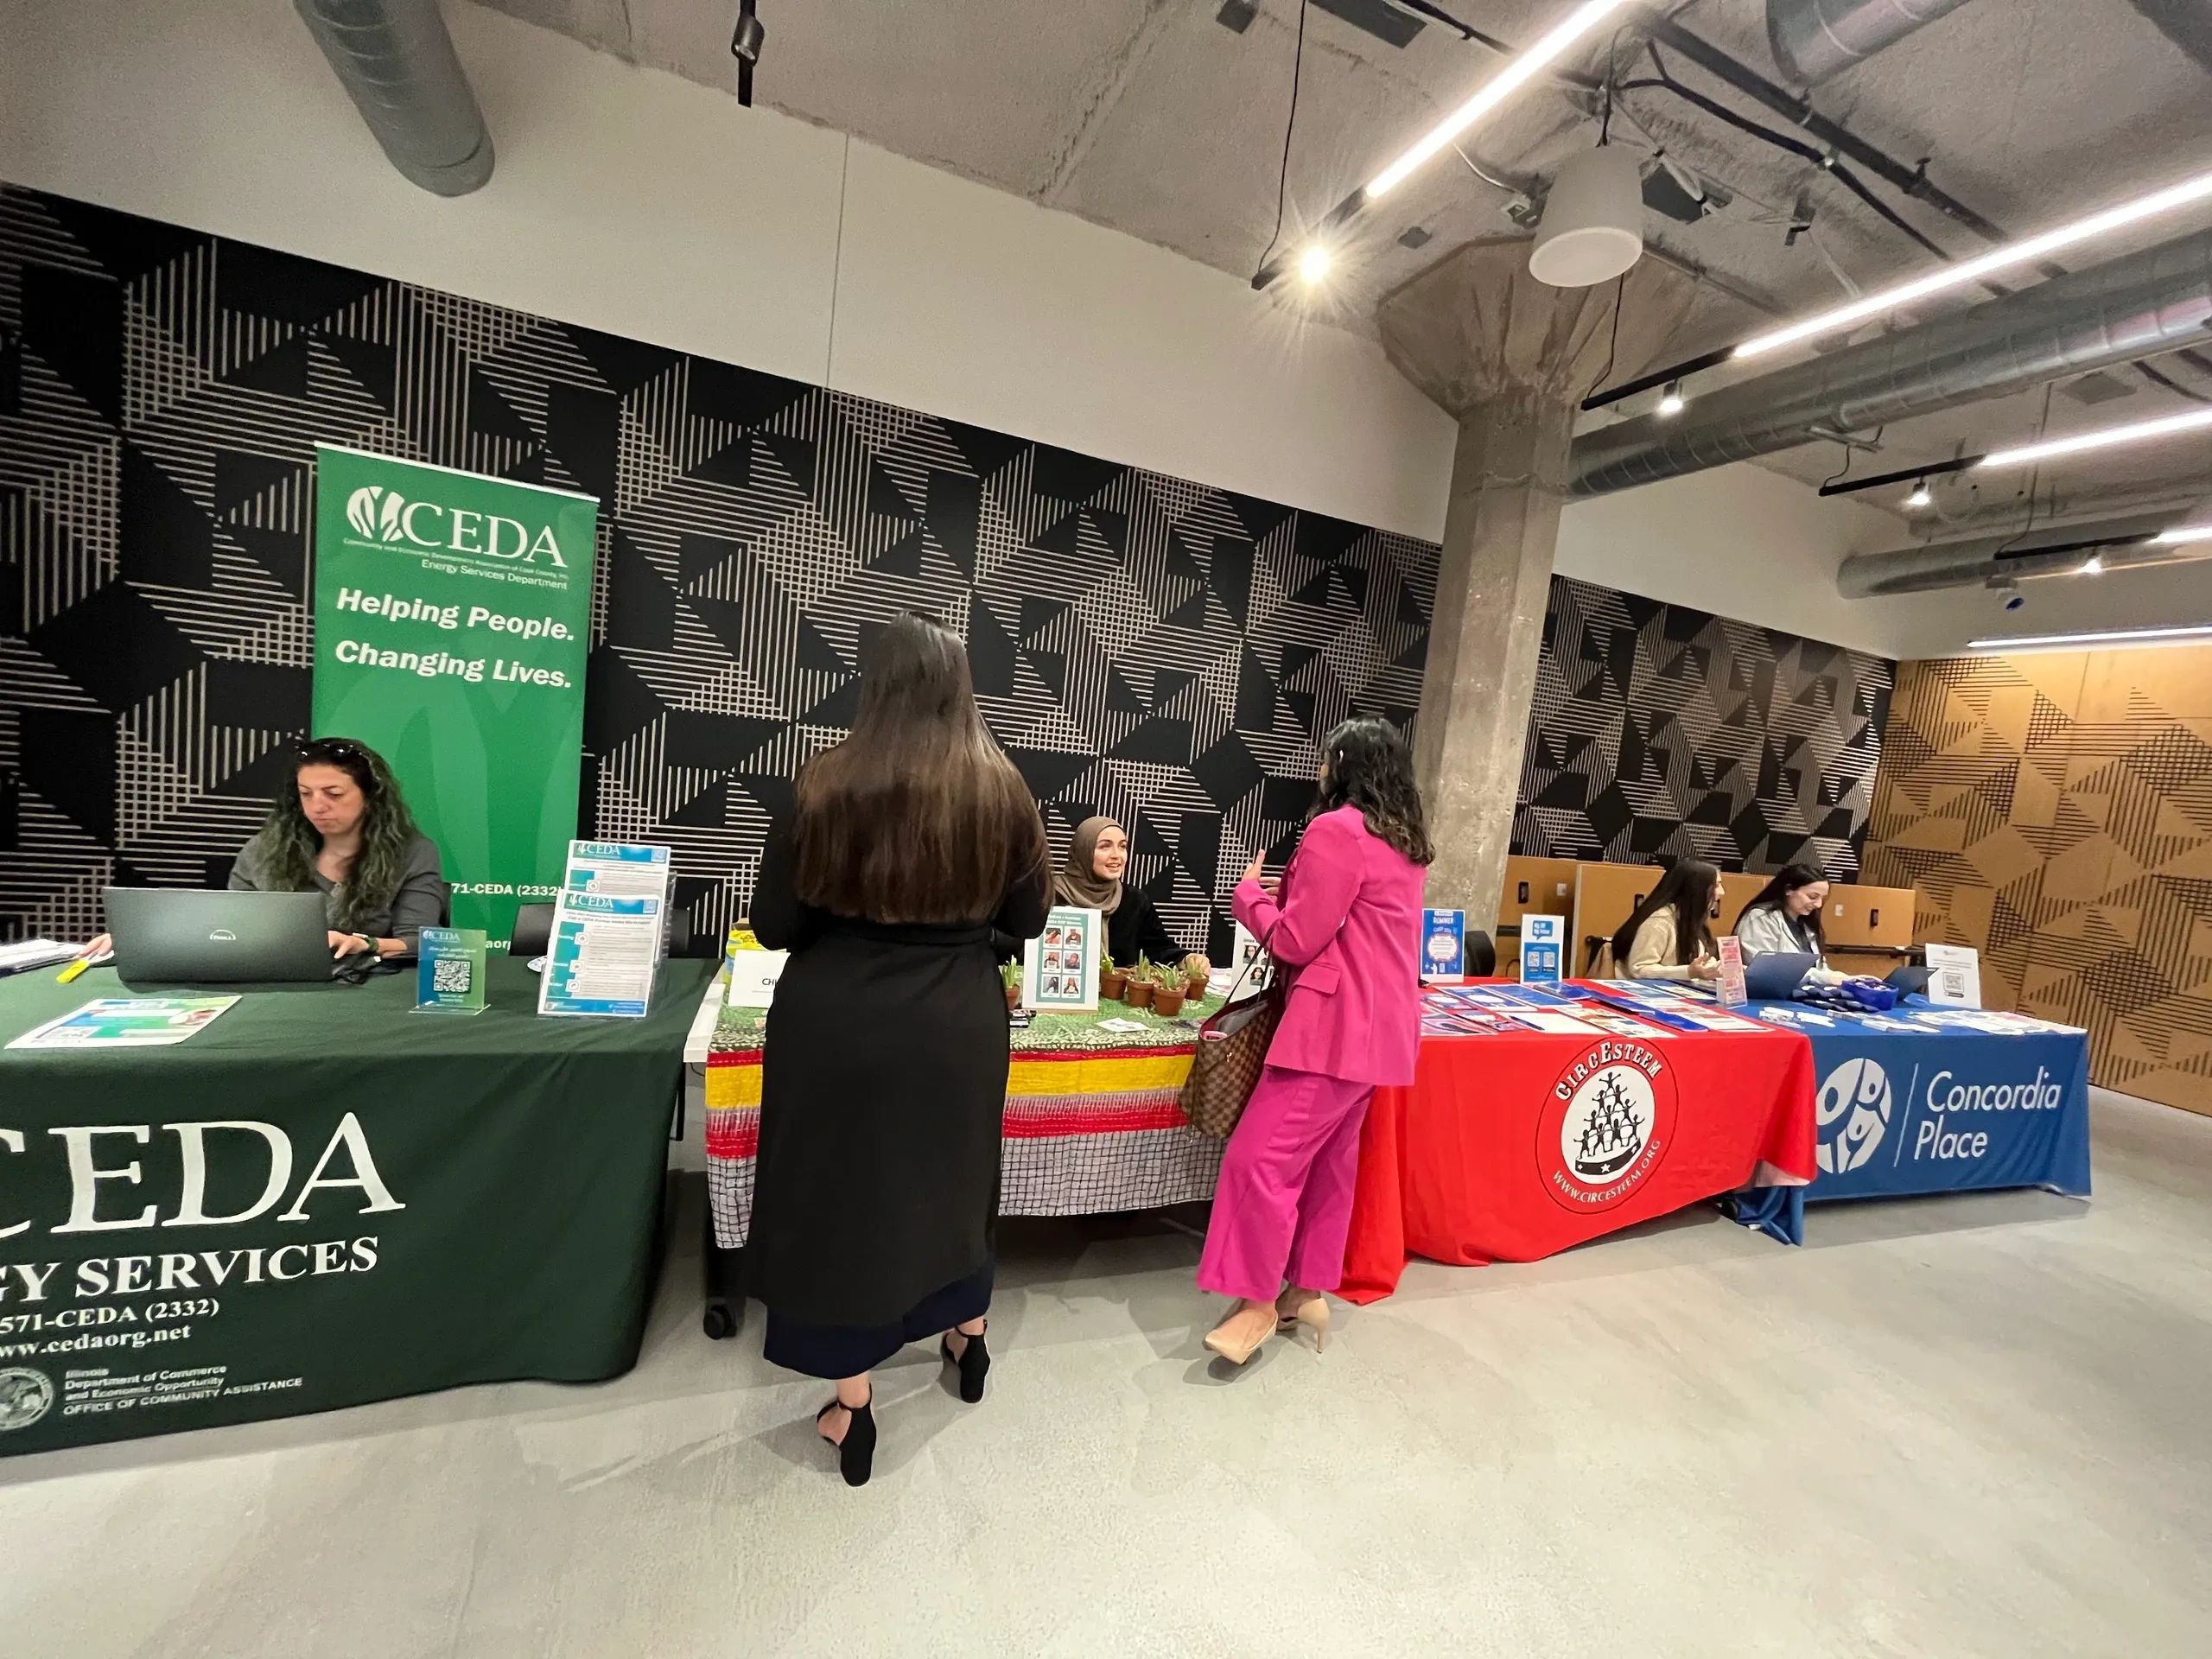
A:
{"x":1091,"y":1128}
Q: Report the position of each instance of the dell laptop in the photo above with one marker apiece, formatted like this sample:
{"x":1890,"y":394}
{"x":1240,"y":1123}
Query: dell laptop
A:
{"x":194,"y":937}
{"x":1776,"y":975}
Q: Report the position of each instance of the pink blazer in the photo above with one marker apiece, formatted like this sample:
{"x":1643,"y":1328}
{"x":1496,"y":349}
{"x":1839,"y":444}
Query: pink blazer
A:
{"x":1348,"y":930}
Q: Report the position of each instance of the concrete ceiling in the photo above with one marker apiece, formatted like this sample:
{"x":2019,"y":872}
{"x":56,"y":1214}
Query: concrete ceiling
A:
{"x":1153,"y":118}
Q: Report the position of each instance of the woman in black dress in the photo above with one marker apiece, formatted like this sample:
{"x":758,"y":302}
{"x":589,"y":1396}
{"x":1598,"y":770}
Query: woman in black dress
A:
{"x":884,"y":1070}
{"x":1091,"y":880}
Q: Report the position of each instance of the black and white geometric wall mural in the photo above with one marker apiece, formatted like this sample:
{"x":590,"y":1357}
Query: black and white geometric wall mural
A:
{"x":1155,"y":649}
{"x":1661,"y":732}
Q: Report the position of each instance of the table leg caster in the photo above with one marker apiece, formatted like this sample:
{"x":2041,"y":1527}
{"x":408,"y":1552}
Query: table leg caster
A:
{"x":718,"y":1322}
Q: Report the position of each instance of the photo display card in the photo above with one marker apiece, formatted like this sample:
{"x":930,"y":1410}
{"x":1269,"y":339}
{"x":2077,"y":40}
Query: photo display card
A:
{"x":1060,"y":969}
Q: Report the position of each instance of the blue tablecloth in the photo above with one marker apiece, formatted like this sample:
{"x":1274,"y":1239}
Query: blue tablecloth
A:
{"x":1922,"y":1101}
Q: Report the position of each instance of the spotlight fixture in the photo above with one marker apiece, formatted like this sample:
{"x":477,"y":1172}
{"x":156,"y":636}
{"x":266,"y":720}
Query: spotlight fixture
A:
{"x":1494,"y":92}
{"x":744,"y":43}
{"x":1921,"y":496}
{"x":1969,"y":270}
{"x":2113,"y":640}
{"x":1313,"y":263}
{"x":1671,"y":401}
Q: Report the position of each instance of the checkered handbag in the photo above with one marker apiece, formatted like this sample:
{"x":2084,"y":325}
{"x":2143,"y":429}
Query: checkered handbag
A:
{"x":1231,"y":1053}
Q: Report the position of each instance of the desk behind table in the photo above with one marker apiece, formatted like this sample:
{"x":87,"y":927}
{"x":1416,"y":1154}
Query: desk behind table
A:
{"x":324,"y":1198}
{"x":1518,"y":1143}
{"x":1093,"y":1122}
{"x":1930,"y":1100}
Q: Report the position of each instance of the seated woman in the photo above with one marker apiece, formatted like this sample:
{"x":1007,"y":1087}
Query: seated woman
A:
{"x":341,"y":827}
{"x":1669,"y":935}
{"x":1091,"y":880}
{"x":1786,"y":918}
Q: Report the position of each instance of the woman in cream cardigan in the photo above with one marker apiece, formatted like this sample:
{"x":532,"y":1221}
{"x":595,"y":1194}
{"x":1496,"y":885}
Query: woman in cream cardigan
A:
{"x":1669,"y":935}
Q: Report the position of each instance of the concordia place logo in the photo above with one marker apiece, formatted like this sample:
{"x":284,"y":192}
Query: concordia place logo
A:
{"x":1607,"y":1126}
{"x":1855,"y":1101}
{"x":25,"y":1396}
{"x":385,"y":517}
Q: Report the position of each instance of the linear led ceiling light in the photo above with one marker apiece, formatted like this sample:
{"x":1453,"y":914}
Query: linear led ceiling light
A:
{"x":2108,"y":641}
{"x":2180,"y":533}
{"x":2074,"y":444}
{"x":1494,"y":92}
{"x":2198,"y":188}
{"x":2103,"y":438}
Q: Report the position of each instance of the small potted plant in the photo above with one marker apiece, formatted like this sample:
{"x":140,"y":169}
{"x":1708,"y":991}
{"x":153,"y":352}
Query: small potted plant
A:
{"x":1112,"y":981}
{"x":1137,"y":993}
{"x":1010,"y":976}
{"x":1196,"y":972}
{"x":1167,"y":992}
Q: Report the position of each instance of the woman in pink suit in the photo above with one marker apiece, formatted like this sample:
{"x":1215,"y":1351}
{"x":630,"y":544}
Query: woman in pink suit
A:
{"x":1346,"y":924}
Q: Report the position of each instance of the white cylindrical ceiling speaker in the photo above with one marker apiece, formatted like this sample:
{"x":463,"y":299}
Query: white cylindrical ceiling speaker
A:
{"x":1593,"y":220}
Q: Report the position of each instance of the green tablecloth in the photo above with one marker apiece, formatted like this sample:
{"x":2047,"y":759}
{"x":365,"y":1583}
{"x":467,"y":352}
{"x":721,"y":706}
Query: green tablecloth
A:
{"x":323,"y":1198}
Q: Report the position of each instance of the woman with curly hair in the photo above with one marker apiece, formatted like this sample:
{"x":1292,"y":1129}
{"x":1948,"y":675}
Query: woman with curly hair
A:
{"x":1344,"y":921}
{"x":342,"y":828}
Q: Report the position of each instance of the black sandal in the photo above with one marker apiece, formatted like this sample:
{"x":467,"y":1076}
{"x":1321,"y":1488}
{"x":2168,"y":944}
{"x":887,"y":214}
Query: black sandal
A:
{"x":974,"y":1361}
{"x":857,"y":1451}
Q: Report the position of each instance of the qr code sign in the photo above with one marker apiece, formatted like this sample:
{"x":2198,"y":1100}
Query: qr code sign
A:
{"x":449,"y":975}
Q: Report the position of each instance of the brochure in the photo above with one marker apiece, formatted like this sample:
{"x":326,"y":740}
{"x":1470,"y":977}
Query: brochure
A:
{"x":127,"y":1022}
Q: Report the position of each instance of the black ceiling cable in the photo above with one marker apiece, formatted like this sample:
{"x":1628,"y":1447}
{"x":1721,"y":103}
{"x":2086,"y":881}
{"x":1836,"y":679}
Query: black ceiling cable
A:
{"x":1290,"y":126}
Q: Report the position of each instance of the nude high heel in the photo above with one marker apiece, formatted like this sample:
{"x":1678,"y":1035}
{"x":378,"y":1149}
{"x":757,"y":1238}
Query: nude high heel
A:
{"x":1237,"y":1353}
{"x":1313,"y":1311}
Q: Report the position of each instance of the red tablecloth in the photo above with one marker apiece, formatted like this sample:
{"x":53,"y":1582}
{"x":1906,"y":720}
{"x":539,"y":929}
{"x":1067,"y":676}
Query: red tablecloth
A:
{"x":1510,"y":1147}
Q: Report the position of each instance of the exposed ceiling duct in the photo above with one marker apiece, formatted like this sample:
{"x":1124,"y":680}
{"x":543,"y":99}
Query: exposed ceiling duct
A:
{"x":2117,"y":544}
{"x":396,"y":61}
{"x":1816,"y":39}
{"x":2139,"y":306}
{"x":2187,"y":23}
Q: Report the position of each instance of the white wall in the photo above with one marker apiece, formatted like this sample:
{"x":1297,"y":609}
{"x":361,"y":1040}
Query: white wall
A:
{"x":641,"y":204}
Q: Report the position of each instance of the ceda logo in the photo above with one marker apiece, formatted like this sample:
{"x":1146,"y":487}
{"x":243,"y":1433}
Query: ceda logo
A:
{"x":385,"y":515}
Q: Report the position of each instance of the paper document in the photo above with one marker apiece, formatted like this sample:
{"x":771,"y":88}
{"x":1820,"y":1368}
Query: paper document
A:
{"x":127,"y":1022}
{"x":608,"y":925}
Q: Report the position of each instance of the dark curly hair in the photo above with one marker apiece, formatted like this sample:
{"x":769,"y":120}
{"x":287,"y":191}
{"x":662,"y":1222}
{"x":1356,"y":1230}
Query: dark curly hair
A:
{"x":290,"y":844}
{"x":1370,"y":766}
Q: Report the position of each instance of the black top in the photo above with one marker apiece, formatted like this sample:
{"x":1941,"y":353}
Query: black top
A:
{"x":1134,"y":927}
{"x":882,"y":1093}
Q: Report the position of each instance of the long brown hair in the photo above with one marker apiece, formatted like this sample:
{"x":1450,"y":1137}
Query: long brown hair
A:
{"x":1687,"y":889}
{"x":1371,"y":768}
{"x":919,"y":816}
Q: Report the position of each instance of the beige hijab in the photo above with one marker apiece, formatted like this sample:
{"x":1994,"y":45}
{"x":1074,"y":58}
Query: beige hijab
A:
{"x":1079,"y":883}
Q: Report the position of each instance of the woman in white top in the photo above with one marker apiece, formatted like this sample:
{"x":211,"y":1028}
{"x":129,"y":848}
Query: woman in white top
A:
{"x":1786,"y":917}
{"x":1669,"y":935}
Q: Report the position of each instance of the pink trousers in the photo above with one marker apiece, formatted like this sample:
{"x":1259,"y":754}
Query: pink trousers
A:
{"x":1284,"y":1203}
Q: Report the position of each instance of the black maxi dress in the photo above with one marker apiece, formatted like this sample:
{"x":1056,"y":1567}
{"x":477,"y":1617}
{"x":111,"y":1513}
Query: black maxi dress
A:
{"x":882,"y":1096}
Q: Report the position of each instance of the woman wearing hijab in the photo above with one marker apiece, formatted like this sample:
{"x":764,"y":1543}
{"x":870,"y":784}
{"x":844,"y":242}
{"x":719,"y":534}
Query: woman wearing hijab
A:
{"x":1091,"y":880}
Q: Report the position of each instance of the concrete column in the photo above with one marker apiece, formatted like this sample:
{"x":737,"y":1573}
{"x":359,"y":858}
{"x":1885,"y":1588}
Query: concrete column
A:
{"x":1511,"y":359}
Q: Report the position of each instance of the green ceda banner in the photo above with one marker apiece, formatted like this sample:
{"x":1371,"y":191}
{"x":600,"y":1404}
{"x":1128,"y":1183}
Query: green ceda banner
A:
{"x":451,"y":619}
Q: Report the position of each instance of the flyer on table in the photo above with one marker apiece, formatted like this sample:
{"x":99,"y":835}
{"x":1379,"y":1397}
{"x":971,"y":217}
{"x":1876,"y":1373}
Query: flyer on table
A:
{"x":609,"y":925}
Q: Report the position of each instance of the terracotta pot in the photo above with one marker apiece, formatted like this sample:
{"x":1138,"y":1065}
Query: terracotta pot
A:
{"x":1111,"y":986}
{"x":1194,"y":987}
{"x":1013,"y":998}
{"x":1138,"y":993}
{"x":1166,"y":1003}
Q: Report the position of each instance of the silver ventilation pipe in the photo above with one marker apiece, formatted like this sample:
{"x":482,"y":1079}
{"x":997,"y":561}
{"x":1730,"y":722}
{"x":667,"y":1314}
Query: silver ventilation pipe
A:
{"x":2142,"y":305}
{"x":2117,"y":544}
{"x":1815,"y":39}
{"x":396,"y":60}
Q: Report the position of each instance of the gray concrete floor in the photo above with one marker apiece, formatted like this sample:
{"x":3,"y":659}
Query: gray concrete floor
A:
{"x":1964,"y":1426}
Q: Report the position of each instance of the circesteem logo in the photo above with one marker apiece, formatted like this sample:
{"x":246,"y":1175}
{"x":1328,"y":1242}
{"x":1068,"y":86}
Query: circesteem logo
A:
{"x":385,"y":517}
{"x":1855,"y":1103}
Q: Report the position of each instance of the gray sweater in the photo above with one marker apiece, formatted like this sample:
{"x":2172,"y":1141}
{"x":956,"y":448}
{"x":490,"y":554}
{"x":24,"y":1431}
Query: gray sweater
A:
{"x":419,"y":902}
{"x":1766,"y":930}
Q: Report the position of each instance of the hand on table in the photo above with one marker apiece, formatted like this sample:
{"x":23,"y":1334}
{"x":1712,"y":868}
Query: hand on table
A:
{"x":343,"y":945}
{"x":98,"y":946}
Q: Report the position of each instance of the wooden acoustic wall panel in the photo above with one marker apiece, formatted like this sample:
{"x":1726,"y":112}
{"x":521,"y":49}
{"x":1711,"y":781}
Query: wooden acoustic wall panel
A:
{"x":2056,"y":812}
